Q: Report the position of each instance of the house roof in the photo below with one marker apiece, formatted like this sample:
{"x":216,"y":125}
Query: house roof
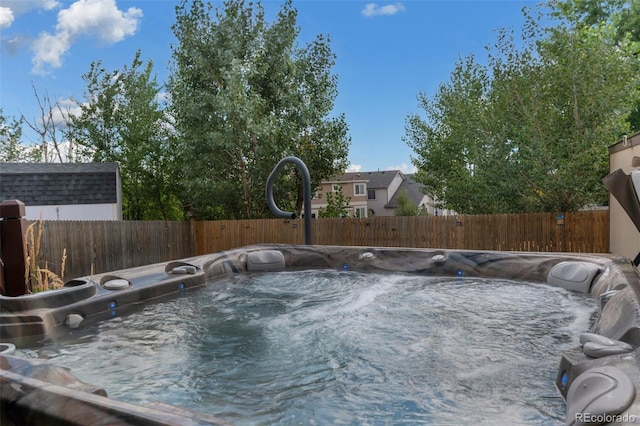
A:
{"x":380,"y":180}
{"x":413,"y":190}
{"x":347,"y":177}
{"x":45,"y":184}
{"x":375,"y":180}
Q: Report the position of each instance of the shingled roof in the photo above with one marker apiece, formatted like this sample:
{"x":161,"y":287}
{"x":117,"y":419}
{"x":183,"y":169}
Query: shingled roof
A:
{"x":46,"y":184}
{"x":413,"y":191}
{"x":375,"y":180}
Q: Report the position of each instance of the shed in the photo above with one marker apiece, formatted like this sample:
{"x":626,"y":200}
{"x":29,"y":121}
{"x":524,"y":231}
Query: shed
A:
{"x":64,"y":191}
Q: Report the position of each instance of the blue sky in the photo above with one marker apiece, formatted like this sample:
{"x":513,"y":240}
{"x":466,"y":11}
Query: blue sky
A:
{"x":387,"y":52}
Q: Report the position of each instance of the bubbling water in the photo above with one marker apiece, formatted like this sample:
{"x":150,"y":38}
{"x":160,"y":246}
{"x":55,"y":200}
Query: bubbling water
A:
{"x":317,"y":347}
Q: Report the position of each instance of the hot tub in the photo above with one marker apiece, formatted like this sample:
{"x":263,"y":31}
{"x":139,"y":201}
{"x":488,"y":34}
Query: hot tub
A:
{"x":596,"y":371}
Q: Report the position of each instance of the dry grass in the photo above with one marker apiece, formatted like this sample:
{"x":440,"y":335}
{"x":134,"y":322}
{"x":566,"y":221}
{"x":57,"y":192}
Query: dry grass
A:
{"x":36,"y":277}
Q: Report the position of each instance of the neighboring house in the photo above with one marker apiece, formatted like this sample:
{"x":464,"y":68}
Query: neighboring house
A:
{"x":64,"y":191}
{"x":624,"y":236}
{"x":417,"y":197}
{"x":381,"y":188}
{"x":425,"y":203}
{"x":374,"y":193}
{"x":352,"y":185}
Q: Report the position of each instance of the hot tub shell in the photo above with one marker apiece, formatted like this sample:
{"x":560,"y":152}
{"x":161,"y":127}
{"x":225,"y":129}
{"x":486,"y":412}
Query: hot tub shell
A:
{"x":27,"y":319}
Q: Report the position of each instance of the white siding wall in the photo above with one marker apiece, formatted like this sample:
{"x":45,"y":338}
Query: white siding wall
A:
{"x":378,"y":204}
{"x":394,"y":185}
{"x":73,"y":212}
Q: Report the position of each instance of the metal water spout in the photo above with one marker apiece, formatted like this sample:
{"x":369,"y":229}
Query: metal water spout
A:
{"x":306,"y":186}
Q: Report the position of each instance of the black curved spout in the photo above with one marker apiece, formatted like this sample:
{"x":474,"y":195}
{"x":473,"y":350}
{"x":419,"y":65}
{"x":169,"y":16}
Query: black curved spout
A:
{"x":306,"y":186}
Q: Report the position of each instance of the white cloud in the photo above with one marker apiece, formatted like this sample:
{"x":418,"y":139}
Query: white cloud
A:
{"x":48,"y":50}
{"x":10,"y":10}
{"x":20,"y":6}
{"x":66,"y":108}
{"x":372,"y":9}
{"x":6,"y":17}
{"x":15,"y":44}
{"x":98,"y":18}
{"x":163,"y":98}
{"x":353,"y":168}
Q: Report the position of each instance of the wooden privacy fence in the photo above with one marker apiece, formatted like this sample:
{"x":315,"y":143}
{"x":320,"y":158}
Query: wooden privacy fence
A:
{"x":583,"y":232}
{"x":102,"y":246}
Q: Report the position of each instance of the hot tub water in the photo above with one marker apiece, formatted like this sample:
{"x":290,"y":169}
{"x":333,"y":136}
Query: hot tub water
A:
{"x":340,"y":347}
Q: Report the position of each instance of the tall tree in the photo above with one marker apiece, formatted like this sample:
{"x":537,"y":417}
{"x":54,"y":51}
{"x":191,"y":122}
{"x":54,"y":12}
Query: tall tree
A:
{"x":528,"y":131}
{"x":622,"y":15}
{"x":580,"y":103}
{"x":244,"y":95}
{"x":461,"y":160}
{"x":122,"y":120}
{"x":51,"y":126}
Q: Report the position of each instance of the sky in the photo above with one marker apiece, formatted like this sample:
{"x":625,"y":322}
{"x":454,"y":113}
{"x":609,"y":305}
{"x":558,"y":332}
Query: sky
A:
{"x":387,"y":53}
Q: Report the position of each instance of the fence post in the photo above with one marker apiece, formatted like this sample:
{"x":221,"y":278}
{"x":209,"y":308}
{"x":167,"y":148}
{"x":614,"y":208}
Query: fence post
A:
{"x":12,"y":262}
{"x":193,"y":235}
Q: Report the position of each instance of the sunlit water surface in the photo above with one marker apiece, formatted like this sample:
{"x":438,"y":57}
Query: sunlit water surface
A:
{"x":320,"y":347}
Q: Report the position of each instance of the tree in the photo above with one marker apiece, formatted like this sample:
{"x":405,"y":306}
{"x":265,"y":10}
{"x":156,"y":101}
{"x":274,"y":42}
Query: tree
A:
{"x":243,"y":96}
{"x":337,"y":204}
{"x":122,"y":120}
{"x":587,"y":89}
{"x":457,"y":154}
{"x":622,"y":15}
{"x":528,"y":131}
{"x":11,"y":149}
{"x":405,"y":205}
{"x":51,"y":126}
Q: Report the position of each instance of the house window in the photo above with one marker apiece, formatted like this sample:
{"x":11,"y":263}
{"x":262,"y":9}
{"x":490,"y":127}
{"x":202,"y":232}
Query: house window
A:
{"x":360,"y":212}
{"x":358,"y":188}
{"x":371,"y":194}
{"x":337,"y":187}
